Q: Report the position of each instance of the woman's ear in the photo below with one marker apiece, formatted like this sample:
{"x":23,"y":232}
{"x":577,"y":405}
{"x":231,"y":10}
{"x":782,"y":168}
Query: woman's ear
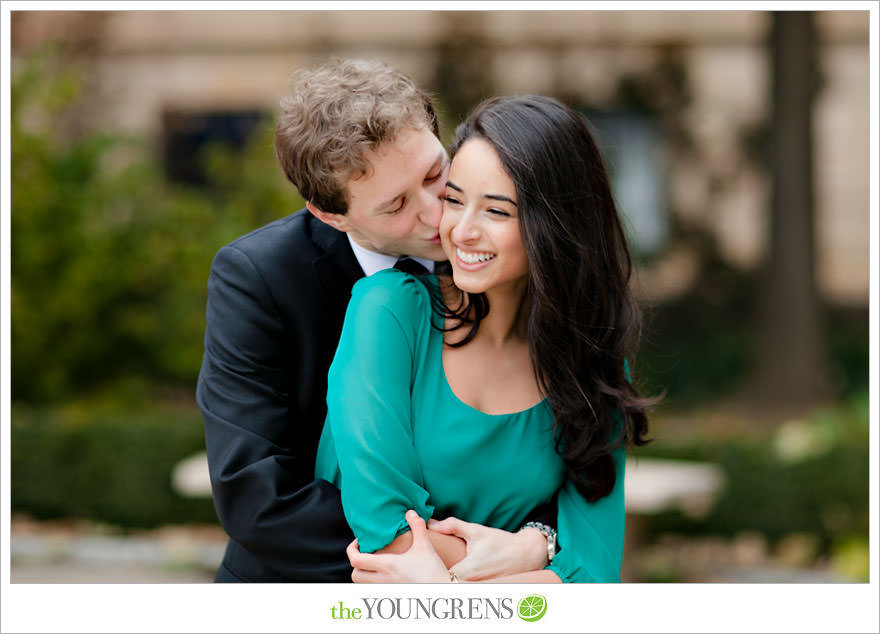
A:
{"x":337,"y":221}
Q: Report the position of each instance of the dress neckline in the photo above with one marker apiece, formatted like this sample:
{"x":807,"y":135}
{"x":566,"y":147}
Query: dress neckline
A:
{"x":437,"y":348}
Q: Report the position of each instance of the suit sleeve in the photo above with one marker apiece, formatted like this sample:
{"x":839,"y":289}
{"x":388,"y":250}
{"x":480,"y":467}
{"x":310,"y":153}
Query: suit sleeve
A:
{"x":369,"y":407}
{"x":264,"y":492}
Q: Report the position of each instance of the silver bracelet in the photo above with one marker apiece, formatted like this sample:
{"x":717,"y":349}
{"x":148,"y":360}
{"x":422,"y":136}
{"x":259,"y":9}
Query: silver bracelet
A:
{"x":547,"y":531}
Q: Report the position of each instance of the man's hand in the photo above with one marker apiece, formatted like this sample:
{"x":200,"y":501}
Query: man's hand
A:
{"x":492,"y":552}
{"x":419,"y":564}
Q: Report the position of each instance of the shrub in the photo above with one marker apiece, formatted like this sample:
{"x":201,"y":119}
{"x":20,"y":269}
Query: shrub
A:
{"x":109,"y":259}
{"x":111,"y":466}
{"x":807,"y":476}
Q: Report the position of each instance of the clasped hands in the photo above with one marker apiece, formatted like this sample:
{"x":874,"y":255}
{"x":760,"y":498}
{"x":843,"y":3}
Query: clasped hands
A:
{"x":491,"y":554}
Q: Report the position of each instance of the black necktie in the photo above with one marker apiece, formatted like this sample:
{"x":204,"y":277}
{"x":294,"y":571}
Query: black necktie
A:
{"x":409,"y":265}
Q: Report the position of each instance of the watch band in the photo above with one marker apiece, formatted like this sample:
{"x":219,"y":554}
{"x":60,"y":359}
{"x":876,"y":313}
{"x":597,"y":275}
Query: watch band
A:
{"x":549,"y":532}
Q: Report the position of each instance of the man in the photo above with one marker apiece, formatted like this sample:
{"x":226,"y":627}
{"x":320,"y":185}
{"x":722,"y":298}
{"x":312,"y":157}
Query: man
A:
{"x":359,"y":141}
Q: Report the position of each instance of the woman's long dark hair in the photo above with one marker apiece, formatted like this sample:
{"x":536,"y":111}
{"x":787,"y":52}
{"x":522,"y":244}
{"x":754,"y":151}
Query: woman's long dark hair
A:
{"x":582,"y":322}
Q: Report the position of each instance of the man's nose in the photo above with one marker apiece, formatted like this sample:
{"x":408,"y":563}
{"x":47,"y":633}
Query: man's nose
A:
{"x":431,"y":209}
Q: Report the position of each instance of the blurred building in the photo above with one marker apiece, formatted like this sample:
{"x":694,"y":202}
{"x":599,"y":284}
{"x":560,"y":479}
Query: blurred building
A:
{"x":679,"y":101}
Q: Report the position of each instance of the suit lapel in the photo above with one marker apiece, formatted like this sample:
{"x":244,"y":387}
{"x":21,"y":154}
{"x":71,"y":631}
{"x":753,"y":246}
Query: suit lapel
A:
{"x":335,"y":257}
{"x":336,"y":266}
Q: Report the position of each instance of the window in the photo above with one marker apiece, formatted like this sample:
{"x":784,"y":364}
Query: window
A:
{"x":187,"y":134}
{"x":632,"y":146}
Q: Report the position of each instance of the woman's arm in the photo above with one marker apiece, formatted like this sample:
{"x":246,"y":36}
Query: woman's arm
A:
{"x":450,"y":548}
{"x":369,"y":410}
{"x":591,"y":533}
{"x":492,"y":552}
{"x":420,"y":563}
{"x":476,"y":552}
{"x":534,"y":576}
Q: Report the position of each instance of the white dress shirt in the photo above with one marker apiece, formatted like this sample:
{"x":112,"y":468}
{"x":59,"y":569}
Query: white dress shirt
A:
{"x":372,"y":262}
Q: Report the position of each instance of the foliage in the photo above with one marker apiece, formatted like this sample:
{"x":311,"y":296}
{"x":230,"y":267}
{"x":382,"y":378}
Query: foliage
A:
{"x":807,"y":477}
{"x":109,"y":259}
{"x":848,"y":350}
{"x":699,"y":346}
{"x":105,"y":464}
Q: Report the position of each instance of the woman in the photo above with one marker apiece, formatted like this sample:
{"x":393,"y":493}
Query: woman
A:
{"x":482,"y":395}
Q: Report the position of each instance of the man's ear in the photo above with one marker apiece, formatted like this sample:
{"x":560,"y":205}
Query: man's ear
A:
{"x":337,"y":221}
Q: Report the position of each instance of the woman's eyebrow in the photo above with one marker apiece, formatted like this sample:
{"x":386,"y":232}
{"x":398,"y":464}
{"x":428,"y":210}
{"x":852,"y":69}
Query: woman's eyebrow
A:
{"x":501,"y":198}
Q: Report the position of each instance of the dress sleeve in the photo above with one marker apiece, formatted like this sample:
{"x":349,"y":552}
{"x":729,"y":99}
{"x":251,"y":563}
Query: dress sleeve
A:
{"x":590,"y":534}
{"x":369,"y":407}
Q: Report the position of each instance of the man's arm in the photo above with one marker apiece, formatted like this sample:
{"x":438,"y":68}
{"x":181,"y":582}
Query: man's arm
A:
{"x":420,"y":563}
{"x":260,"y":441}
{"x":451,"y":549}
{"x":492,"y":551}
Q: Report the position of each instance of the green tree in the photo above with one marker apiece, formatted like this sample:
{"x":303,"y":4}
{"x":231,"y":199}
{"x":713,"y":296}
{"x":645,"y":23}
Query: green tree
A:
{"x":109,"y":260}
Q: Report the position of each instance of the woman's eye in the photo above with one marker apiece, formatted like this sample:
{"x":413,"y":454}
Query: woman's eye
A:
{"x":498,"y":212}
{"x":451,"y":200}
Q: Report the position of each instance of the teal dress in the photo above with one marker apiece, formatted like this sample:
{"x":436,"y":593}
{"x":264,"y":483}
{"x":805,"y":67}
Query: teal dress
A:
{"x":397,"y":437}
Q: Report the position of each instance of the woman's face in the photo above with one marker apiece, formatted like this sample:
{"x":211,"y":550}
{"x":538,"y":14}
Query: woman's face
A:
{"x":480,"y":224}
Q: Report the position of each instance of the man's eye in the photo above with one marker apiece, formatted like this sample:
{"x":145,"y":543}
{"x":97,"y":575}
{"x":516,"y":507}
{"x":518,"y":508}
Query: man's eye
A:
{"x":433,"y":178}
{"x":399,"y":207}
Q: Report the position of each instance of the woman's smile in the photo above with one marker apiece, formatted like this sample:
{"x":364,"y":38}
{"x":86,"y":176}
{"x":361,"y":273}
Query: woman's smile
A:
{"x":473,"y":259}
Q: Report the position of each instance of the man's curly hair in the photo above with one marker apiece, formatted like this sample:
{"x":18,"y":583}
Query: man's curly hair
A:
{"x":335,"y":115}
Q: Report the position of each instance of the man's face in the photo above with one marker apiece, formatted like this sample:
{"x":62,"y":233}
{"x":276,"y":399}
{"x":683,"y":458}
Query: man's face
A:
{"x":395,"y":207}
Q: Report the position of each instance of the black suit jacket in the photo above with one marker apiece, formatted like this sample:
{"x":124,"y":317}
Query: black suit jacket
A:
{"x":276,"y":302}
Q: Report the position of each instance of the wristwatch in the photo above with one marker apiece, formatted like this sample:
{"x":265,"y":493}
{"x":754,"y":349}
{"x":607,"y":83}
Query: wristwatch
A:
{"x":547,"y":531}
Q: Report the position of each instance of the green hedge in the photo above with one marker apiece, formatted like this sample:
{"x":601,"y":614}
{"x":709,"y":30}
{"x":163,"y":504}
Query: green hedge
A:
{"x":112,"y":467}
{"x":808,"y":476}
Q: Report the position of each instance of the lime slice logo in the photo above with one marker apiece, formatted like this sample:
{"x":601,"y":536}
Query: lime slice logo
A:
{"x":532,"y":607}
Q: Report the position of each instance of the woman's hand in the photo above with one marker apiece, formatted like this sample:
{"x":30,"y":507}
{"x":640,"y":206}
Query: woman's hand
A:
{"x":492,"y":552}
{"x":419,"y":564}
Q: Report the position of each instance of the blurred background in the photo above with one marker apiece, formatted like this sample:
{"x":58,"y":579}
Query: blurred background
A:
{"x":738,"y":145}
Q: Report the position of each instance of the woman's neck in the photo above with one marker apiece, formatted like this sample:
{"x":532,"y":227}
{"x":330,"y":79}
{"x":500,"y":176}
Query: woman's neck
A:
{"x":505,"y":322}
